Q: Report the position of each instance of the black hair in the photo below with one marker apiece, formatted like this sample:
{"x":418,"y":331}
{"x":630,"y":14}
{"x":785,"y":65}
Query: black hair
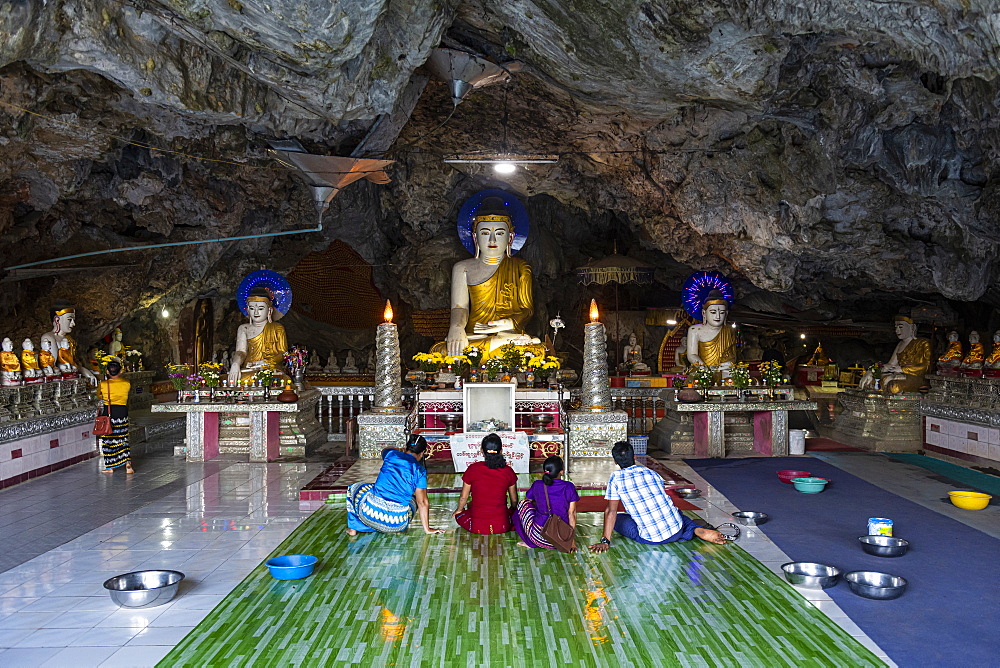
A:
{"x":623,"y":454}
{"x":553,"y":466}
{"x":416,"y":444}
{"x":492,"y":447}
{"x":113,"y":368}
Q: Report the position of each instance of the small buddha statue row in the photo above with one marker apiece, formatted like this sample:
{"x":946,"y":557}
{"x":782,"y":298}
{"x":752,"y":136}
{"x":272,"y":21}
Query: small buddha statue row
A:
{"x":954,"y":358}
{"x":31,"y":366}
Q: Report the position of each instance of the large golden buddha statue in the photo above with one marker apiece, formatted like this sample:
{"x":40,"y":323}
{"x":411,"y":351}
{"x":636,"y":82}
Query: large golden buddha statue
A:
{"x":491,"y":293}
{"x":713,"y":342}
{"x":905,"y":370}
{"x":260,"y":343}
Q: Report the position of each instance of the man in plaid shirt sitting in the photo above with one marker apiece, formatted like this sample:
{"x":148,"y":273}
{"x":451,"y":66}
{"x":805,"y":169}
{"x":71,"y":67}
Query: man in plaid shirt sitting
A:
{"x":650,"y":517}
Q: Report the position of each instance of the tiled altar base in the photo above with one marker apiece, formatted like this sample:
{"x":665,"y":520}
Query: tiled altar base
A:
{"x":589,"y":474}
{"x":459,"y":599}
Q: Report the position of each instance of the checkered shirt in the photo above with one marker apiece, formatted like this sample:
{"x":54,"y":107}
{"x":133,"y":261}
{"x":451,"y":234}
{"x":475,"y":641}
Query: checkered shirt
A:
{"x":641,"y":491}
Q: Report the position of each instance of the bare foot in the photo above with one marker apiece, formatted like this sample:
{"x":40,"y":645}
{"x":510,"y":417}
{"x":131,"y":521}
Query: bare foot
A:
{"x":711,"y":535}
{"x":129,"y":470}
{"x":107,"y":470}
{"x":522,"y":543}
{"x":352,"y":532}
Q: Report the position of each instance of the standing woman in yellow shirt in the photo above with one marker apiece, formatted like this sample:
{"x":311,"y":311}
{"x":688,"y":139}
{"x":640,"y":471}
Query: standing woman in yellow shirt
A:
{"x":114,"y":393}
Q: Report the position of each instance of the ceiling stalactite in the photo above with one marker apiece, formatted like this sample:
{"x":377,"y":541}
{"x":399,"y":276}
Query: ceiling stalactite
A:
{"x":835,"y":161}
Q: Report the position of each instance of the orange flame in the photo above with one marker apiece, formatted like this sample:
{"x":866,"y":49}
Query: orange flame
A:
{"x":593,"y":311}
{"x":388,"y":311}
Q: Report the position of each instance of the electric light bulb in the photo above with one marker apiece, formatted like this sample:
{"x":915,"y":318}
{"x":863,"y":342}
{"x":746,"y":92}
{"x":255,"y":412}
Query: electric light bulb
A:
{"x":671,"y":322}
{"x":802,"y":336}
{"x":504,"y":167}
{"x":165,"y":313}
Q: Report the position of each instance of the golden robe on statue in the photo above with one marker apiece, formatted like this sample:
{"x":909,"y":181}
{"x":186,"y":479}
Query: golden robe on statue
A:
{"x":994,"y":355}
{"x":9,"y":362}
{"x":976,"y":354}
{"x":719,"y":350}
{"x":46,"y":360}
{"x":914,"y":359}
{"x":29,"y":360}
{"x":953,"y":354}
{"x":505,"y":294}
{"x":267,"y":347}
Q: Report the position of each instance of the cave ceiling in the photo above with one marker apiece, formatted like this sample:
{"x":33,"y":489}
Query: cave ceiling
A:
{"x":837,"y":159}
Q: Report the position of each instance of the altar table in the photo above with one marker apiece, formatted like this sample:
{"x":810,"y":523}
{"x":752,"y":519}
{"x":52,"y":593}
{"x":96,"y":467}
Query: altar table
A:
{"x":770,"y":425}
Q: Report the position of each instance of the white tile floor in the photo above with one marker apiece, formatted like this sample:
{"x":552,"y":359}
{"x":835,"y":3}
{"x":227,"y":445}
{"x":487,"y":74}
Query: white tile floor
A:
{"x":716,"y":509}
{"x":54,"y":611}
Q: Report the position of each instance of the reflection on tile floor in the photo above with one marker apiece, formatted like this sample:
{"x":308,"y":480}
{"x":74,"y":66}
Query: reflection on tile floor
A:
{"x":216,"y":530}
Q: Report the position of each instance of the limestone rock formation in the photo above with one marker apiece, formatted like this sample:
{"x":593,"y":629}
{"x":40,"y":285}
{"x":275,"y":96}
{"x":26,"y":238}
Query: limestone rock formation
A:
{"x":838,"y":156}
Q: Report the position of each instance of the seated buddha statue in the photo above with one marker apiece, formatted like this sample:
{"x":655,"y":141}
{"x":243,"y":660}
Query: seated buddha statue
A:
{"x":491,"y":293}
{"x":819,"y":357}
{"x":260,"y":343}
{"x":993,"y":361}
{"x":11,"y":374}
{"x":953,"y":356}
{"x":977,"y":355}
{"x":713,"y":342}
{"x":905,"y":370}
{"x":62,"y":344}
{"x":46,"y":360}
{"x":29,"y":360}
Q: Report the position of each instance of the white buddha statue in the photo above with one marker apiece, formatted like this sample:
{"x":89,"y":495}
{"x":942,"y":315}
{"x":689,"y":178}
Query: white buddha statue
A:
{"x":60,"y":341}
{"x":491,"y":293}
{"x":350,"y":365}
{"x":905,"y":370}
{"x":11,"y":374}
{"x":115,"y":347}
{"x":713,"y":342}
{"x":331,"y":363}
{"x":993,"y":361}
{"x":29,"y":360}
{"x":632,"y":354}
{"x":259,"y":343}
{"x":47,"y":360}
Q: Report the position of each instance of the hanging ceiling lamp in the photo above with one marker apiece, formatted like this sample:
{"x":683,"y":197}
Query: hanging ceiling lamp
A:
{"x":327,"y":175}
{"x":464,"y":72}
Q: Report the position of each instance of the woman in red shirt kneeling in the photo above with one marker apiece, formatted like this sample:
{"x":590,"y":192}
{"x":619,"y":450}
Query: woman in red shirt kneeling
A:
{"x":491,"y":483}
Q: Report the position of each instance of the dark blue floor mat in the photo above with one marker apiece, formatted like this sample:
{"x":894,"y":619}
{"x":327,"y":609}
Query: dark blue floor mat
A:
{"x":951,"y":609}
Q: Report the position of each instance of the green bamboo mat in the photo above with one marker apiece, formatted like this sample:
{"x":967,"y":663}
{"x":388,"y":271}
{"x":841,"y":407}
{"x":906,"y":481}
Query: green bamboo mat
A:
{"x":464,"y":600}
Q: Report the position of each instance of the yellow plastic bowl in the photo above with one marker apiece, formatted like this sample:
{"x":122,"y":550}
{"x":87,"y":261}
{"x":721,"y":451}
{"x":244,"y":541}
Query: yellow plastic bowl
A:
{"x":970,"y":500}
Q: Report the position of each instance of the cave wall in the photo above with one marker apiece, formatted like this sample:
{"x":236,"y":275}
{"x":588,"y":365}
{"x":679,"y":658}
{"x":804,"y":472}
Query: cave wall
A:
{"x":838,"y":162}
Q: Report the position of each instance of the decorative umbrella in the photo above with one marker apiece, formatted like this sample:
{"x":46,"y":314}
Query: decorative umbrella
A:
{"x":617,"y":269}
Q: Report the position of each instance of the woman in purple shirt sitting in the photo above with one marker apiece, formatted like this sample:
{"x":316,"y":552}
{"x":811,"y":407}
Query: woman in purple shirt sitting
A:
{"x":535,"y":509}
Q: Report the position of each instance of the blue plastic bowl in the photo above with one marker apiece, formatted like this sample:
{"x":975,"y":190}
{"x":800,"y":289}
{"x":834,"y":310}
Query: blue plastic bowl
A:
{"x":292,"y":566}
{"x":809,"y":485}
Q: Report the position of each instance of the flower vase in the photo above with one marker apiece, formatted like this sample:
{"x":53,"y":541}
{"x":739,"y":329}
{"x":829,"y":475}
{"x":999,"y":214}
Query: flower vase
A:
{"x":211,"y":394}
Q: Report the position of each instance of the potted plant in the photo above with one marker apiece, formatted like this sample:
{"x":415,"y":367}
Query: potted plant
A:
{"x":740,"y":375}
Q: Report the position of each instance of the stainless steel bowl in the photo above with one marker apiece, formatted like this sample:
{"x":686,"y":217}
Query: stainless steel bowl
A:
{"x":143,"y":589}
{"x":687,"y":492}
{"x":811,"y":575}
{"x":872,"y":584}
{"x":749,"y":518}
{"x":884,"y":546}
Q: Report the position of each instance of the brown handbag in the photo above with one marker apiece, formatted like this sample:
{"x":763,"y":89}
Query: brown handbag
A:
{"x":556,"y":531}
{"x":102,"y":423}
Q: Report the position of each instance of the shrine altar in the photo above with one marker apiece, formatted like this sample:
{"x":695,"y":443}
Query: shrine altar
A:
{"x":262,"y":429}
{"x":439,"y":414}
{"x":770,"y":425}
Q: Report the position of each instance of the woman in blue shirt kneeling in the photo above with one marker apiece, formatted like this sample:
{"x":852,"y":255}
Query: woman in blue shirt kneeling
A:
{"x":388,"y":504}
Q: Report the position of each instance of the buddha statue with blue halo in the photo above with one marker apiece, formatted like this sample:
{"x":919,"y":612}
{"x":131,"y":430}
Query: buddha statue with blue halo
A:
{"x":491,"y":293}
{"x":713,"y":341}
{"x":261,"y":342}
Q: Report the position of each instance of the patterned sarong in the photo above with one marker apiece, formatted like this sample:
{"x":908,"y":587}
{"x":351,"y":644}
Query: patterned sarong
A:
{"x":114,"y":446}
{"x":527,"y":528}
{"x":375,"y":512}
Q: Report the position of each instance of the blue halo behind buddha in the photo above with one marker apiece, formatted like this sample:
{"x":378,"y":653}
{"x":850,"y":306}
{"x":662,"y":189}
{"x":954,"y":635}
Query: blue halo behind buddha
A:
{"x":494,"y":201}
{"x":273,"y":283}
{"x":697,"y":288}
